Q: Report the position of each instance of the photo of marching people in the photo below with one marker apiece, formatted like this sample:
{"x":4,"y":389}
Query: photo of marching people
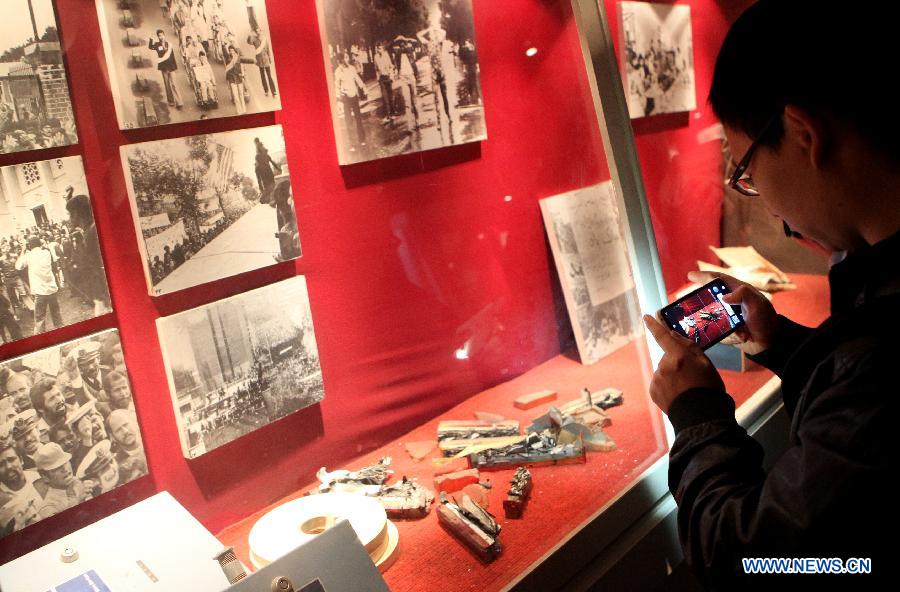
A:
{"x":68,"y":430}
{"x":172,"y":61}
{"x":51,"y":270}
{"x":403,"y":76}
{"x":35,"y":106}
{"x":239,"y":364}
{"x":211,"y":206}
{"x":657,"y":58}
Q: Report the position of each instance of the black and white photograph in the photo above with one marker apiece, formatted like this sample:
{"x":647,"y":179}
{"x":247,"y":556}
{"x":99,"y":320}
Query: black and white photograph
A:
{"x":68,"y":429}
{"x":237,"y":365}
{"x":587,"y":240}
{"x":657,"y":58}
{"x":403,"y":76}
{"x":211,"y":206}
{"x":35,"y":106}
{"x":171,"y":61}
{"x":51,"y":271}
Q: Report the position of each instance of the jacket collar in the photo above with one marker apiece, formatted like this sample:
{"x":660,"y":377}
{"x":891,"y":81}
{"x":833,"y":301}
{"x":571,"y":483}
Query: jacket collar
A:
{"x":866,"y":274}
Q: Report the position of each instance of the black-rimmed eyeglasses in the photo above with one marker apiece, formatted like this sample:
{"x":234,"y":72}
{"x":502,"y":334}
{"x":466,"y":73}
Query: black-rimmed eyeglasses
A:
{"x":739,"y":180}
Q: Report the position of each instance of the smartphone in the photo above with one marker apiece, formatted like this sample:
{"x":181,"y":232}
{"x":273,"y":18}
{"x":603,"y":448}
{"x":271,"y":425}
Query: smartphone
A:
{"x":703,"y":316}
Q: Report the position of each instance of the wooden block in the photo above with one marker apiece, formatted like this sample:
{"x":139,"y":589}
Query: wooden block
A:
{"x":456,"y":481}
{"x":419,"y":450}
{"x":483,"y":545}
{"x":450,"y":465}
{"x":534,"y":399}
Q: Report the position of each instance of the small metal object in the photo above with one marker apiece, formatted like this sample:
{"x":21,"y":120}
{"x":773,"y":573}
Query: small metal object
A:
{"x":232,"y":568}
{"x":69,"y":555}
{"x":282,"y":584}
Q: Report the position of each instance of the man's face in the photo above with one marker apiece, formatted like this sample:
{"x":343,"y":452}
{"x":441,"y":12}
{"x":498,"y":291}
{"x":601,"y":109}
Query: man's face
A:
{"x":64,"y":437}
{"x":60,"y":477}
{"x":55,"y":402}
{"x":161,"y":36}
{"x":790,"y":187}
{"x":18,"y":386}
{"x":98,"y":432}
{"x":89,"y":368}
{"x":11,"y":471}
{"x":29,"y":442}
{"x":48,"y":131}
{"x":120,"y":397}
{"x":125,"y":435}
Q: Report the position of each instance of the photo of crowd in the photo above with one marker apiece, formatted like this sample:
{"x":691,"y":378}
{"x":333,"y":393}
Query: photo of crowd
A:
{"x":239,"y":364}
{"x":657,"y":58}
{"x":51,"y":270}
{"x":68,"y":429}
{"x":35,"y":106}
{"x":211,"y":206}
{"x":403,"y":76}
{"x":172,"y":61}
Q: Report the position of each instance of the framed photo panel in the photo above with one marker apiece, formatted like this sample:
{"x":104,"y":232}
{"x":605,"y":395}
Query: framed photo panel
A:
{"x":172,"y":61}
{"x":68,"y":429}
{"x":211,"y":206}
{"x":403,"y":76}
{"x":239,"y":364}
{"x":35,"y":106}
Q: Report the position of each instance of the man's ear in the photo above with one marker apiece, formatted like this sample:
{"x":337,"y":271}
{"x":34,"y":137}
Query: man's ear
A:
{"x":809,"y":133}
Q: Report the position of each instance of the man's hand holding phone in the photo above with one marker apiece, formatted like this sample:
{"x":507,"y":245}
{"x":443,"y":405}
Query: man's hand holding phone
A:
{"x":684,"y":366}
{"x":760,"y":317}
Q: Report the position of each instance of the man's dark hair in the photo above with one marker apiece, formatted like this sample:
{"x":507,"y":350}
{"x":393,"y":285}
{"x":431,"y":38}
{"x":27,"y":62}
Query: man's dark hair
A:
{"x":38,"y":390}
{"x":830,"y":60}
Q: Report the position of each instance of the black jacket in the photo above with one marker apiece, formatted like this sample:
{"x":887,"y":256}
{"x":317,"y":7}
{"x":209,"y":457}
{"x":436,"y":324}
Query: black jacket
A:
{"x":830,"y":494}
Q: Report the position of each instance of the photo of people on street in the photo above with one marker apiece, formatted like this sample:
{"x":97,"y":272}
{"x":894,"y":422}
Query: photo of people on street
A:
{"x":211,"y":206}
{"x":172,"y":61}
{"x":403,"y":76}
{"x":35,"y":106}
{"x":51,"y":271}
{"x":239,"y":364}
{"x":657,"y":58}
{"x":68,"y":429}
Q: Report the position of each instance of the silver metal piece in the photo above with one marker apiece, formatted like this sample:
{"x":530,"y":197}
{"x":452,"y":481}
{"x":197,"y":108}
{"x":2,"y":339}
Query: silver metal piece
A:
{"x":282,"y":584}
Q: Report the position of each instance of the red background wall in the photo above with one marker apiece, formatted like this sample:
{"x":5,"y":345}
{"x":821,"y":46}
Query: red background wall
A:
{"x":406,"y":259}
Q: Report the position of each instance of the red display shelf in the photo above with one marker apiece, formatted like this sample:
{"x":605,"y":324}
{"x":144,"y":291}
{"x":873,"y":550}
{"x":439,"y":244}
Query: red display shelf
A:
{"x":565,"y":496}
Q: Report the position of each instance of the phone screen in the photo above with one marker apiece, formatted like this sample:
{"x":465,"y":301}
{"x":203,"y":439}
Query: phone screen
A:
{"x":703,"y":316}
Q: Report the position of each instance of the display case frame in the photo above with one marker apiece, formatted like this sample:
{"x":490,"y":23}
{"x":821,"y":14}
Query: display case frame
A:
{"x":605,"y":535}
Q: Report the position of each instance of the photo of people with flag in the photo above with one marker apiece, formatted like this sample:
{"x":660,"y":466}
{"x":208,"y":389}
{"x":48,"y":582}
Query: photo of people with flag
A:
{"x":211,"y":206}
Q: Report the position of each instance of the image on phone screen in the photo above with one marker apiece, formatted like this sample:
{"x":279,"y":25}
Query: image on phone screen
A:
{"x":703,"y":316}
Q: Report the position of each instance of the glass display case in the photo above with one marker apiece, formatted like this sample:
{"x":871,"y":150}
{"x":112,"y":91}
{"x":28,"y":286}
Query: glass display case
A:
{"x":471,"y":226}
